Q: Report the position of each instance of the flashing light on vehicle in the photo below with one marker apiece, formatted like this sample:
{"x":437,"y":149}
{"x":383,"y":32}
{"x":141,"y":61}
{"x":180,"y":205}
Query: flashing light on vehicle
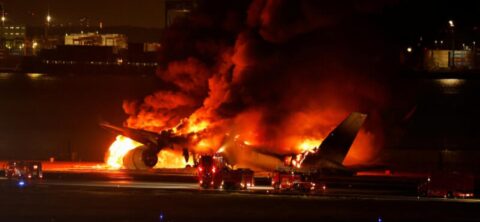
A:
{"x":162,"y":216}
{"x":214,"y":169}
{"x":324,"y":187}
{"x":21,"y":183}
{"x":428,"y":179}
{"x":200,"y":169}
{"x":201,"y":182}
{"x":29,"y":176}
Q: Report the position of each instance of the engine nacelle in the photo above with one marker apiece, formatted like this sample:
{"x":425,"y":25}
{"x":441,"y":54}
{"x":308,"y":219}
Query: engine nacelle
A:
{"x":140,"y":158}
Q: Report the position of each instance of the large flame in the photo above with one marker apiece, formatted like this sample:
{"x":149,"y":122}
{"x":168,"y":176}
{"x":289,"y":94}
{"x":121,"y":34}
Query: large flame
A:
{"x":118,"y":150}
{"x":308,"y":145}
{"x":172,"y":159}
{"x":122,"y":144}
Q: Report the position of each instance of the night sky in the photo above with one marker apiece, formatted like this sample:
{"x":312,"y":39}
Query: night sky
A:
{"x":144,"y":13}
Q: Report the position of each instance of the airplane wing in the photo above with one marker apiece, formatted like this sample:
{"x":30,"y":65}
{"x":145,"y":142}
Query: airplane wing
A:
{"x":156,"y":141}
{"x":141,"y":136}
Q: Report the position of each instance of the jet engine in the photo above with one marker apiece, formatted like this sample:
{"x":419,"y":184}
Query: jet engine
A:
{"x":140,"y":158}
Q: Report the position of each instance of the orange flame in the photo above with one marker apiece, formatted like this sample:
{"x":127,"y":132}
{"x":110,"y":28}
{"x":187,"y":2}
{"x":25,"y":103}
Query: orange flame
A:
{"x":118,"y":150}
{"x":304,"y":148}
{"x":195,"y":128}
{"x":172,"y":159}
{"x":122,"y":144}
{"x":308,"y":145}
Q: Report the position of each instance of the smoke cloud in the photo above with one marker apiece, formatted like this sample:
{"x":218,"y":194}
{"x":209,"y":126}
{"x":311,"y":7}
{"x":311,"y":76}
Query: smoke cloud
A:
{"x":275,"y":73}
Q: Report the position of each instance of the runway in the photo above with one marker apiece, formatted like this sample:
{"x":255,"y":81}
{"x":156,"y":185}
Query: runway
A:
{"x":121,"y":180}
{"x":257,"y":190}
{"x":146,"y":196}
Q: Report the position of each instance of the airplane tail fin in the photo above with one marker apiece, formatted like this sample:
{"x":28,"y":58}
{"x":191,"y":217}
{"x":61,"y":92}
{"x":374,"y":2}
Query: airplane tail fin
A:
{"x":336,"y":145}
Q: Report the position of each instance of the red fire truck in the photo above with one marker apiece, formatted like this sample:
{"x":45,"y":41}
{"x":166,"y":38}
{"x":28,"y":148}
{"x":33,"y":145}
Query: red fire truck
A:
{"x":287,"y":180}
{"x":213,"y":172}
{"x":23,"y":170}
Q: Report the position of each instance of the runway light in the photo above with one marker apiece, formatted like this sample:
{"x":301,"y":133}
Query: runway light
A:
{"x":450,"y":22}
{"x":21,"y":183}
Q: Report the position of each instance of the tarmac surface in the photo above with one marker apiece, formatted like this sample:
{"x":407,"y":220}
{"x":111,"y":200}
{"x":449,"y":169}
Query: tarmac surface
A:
{"x":175,"y":196}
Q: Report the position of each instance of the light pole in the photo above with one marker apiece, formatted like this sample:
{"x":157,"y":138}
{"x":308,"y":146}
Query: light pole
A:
{"x":2,"y":38}
{"x":48,"y":19}
{"x":451,"y":24}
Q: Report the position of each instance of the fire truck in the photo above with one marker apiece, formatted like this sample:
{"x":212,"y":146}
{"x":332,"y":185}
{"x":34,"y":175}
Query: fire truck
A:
{"x":447,"y":185}
{"x":23,"y":170}
{"x":213,"y":172}
{"x":288,"y":180}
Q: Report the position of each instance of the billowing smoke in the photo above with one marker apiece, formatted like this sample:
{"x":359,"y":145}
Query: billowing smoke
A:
{"x":274,"y":73}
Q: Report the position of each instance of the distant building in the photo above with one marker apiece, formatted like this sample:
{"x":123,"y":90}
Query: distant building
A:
{"x":151,"y":46}
{"x":114,"y":40}
{"x":117,"y":41}
{"x":13,"y":38}
{"x":175,"y":9}
{"x":442,"y":60}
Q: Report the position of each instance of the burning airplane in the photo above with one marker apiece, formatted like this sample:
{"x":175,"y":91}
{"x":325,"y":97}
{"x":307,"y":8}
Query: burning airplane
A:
{"x":242,"y":79}
{"x":143,"y":150}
